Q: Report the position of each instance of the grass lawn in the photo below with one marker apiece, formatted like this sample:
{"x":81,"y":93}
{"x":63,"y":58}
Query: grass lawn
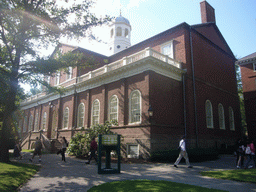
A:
{"x":148,"y":185}
{"x":248,"y":175}
{"x":15,"y":174}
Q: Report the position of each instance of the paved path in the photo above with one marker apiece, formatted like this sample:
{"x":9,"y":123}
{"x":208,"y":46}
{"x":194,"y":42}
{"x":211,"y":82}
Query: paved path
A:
{"x":75,"y":175}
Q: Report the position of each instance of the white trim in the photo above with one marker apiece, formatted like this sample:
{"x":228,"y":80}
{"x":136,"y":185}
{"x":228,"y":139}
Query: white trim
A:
{"x":128,"y":150}
{"x":78,"y":114}
{"x":96,"y":100}
{"x":130,"y":105}
{"x":117,"y":107}
{"x":254,"y":67}
{"x":171,"y":55}
{"x":64,"y":118}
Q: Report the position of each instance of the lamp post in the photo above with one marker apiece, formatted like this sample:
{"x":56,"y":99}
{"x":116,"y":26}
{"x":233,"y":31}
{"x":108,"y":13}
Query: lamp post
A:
{"x":150,"y":113}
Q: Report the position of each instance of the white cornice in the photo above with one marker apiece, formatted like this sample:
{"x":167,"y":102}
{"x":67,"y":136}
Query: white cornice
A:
{"x":147,"y":60}
{"x":246,"y":61}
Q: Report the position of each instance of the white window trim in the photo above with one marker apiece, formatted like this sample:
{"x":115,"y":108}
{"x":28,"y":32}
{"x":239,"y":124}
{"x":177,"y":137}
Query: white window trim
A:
{"x":44,"y":121}
{"x":36,"y":123}
{"x":172,"y":48}
{"x":130,"y":115}
{"x":78,"y":115}
{"x":96,"y":100}
{"x":212,"y":124}
{"x":109,"y":103}
{"x":254,"y":67}
{"x":132,"y":156}
{"x":64,"y":118}
{"x":30,"y":123}
{"x":70,"y":73}
{"x":25,"y":124}
{"x":221,"y":106}
{"x":57,"y":78}
{"x":230,"y":109}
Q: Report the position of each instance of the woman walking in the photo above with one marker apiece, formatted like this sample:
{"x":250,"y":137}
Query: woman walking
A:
{"x":63,"y":149}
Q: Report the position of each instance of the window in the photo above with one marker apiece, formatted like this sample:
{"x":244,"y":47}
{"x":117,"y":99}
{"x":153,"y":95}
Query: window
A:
{"x":133,"y":151}
{"x":254,"y":67}
{"x":20,"y":126}
{"x":80,"y":115}
{"x":135,"y":106}
{"x":113,"y":108}
{"x":95,"y":112}
{"x":44,"y":121}
{"x":118,"y":31}
{"x":69,"y":74}
{"x":36,"y":123}
{"x":65,"y":118}
{"x":167,"y":49}
{"x":111,"y":33}
{"x":25,"y":123}
{"x":209,"y":114}
{"x":30,"y":123}
{"x":231,"y":119}
{"x":221,"y":116}
{"x":57,"y":78}
{"x":126,"y":33}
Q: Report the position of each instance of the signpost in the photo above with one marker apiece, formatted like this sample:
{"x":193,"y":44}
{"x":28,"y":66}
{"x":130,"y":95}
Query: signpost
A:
{"x":108,"y":143}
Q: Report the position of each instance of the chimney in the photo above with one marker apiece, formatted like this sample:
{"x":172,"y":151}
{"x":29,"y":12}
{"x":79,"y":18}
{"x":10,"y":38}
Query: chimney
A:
{"x":207,"y":12}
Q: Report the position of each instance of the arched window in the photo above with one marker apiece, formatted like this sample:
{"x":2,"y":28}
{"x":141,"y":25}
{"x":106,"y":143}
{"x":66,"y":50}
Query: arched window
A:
{"x":25,"y":123}
{"x":118,"y":31}
{"x":126,"y":33}
{"x":221,"y":116}
{"x":113,"y":108}
{"x":80,"y":115}
{"x":65,"y":118}
{"x":36,"y":123}
{"x":95,"y":112}
{"x":231,"y":119}
{"x":111,"y":33}
{"x":209,"y":114}
{"x":135,"y":107}
{"x":30,"y":123}
{"x":44,"y":121}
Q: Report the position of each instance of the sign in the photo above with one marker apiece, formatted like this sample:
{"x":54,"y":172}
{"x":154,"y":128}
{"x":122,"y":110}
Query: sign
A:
{"x":109,"y":139}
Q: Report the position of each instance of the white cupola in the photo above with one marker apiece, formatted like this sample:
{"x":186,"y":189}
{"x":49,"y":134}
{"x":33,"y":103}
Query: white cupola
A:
{"x":120,"y":35}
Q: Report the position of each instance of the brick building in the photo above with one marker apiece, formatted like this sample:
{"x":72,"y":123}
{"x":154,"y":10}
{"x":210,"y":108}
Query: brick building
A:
{"x":248,"y":74}
{"x":186,"y":74}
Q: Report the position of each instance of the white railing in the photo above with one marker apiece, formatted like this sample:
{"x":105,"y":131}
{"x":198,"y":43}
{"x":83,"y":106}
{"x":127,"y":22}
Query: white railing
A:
{"x":148,"y":52}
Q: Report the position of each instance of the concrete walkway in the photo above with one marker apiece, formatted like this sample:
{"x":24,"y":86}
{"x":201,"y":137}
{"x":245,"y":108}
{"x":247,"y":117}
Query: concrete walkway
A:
{"x":75,"y":175}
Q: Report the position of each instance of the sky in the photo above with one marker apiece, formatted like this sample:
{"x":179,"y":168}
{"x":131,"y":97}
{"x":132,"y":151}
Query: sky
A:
{"x":236,"y":20}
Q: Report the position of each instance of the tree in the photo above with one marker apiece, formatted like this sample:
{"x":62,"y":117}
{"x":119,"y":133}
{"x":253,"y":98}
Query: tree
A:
{"x":26,"y":26}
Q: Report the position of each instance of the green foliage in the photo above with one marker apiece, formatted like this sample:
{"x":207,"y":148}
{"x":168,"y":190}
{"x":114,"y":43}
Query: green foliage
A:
{"x":79,"y":144}
{"x":195,"y":155}
{"x":248,"y":175}
{"x":15,"y":174}
{"x":148,"y":185}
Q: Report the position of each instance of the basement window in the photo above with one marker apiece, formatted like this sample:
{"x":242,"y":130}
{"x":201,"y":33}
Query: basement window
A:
{"x":133,"y":151}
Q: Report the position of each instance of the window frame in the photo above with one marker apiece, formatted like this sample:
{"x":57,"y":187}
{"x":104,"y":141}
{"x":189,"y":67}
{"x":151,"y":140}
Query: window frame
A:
{"x":25,"y":124}
{"x":169,"y":43}
{"x":36,"y":123}
{"x":128,"y":150}
{"x":210,"y":116}
{"x":79,"y":115}
{"x":30,"y":123}
{"x":65,"y":118}
{"x":131,"y":108}
{"x":93,"y":113}
{"x":254,"y":67}
{"x":70,"y":73}
{"x":57,"y":78}
{"x":221,"y":113}
{"x":110,"y":107}
{"x":44,"y":121}
{"x":231,"y":119}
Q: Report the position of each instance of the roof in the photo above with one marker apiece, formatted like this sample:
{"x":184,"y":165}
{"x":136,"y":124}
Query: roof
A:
{"x":247,"y":59}
{"x":121,"y":19}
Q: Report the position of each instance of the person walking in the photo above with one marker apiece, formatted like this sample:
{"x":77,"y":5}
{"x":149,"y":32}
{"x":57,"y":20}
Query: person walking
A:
{"x":17,"y":151}
{"x":93,"y":149}
{"x":64,"y":145}
{"x":241,"y":153}
{"x":38,"y":150}
{"x":250,"y":154}
{"x":183,"y":153}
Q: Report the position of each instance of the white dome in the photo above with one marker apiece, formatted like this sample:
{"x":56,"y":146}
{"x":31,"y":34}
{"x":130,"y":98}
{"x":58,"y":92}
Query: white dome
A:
{"x":121,"y":19}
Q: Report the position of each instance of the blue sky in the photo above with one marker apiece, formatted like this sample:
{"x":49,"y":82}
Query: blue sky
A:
{"x":236,"y":20}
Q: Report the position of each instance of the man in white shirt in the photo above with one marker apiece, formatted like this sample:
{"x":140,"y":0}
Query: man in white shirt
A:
{"x":183,"y":153}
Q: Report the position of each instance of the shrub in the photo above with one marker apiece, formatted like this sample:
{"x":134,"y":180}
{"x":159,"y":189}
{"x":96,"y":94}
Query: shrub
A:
{"x":79,"y":144}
